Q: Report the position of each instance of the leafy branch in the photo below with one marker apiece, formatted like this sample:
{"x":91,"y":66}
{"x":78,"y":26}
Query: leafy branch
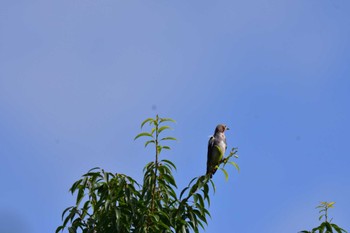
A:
{"x":111,"y":202}
{"x":326,"y":226}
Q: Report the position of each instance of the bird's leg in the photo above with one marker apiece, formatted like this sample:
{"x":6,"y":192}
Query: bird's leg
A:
{"x":215,"y":169}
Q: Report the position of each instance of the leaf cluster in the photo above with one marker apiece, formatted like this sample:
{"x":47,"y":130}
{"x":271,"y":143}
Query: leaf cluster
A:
{"x":107,"y":202}
{"x":326,"y":226}
{"x":110,"y":203}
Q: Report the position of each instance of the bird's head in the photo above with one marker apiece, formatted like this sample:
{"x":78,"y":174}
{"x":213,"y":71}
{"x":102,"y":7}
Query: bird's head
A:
{"x":221,"y":128}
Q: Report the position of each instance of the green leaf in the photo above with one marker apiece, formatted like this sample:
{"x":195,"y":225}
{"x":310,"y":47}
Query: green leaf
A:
{"x":85,"y":208}
{"x":145,"y":121}
{"x":192,"y":181}
{"x":95,"y":168}
{"x":337,"y":228}
{"x":163,"y":128}
{"x":106,"y":176}
{"x":320,"y":228}
{"x":201,"y":201}
{"x":159,"y":149}
{"x":153,"y":130}
{"x":92,"y":174}
{"x":169,"y":162}
{"x":183,"y":229}
{"x":200,"y":216}
{"x":75,"y":186}
{"x":205,"y":193}
{"x":80,"y":196}
{"x":328,"y":227}
{"x":169,"y":179}
{"x":148,"y":142}
{"x":64,"y":212}
{"x":167,"y":119}
{"x":59,"y":229}
{"x":213,"y":185}
{"x":235,"y":165}
{"x":193,"y":188}
{"x":168,"y":138}
{"x":69,"y":217}
{"x":225,"y":172}
{"x":143,"y":134}
{"x":330,"y":205}
{"x":183,"y":191}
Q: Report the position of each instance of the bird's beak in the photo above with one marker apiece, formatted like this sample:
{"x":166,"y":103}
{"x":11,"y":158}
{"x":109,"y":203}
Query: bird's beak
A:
{"x":227,"y":128}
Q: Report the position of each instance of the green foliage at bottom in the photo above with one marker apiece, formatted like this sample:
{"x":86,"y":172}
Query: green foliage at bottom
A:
{"x":111,"y":202}
{"x":325,"y":227}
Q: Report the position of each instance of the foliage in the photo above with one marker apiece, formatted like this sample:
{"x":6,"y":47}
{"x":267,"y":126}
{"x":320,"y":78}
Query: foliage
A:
{"x":107,"y":202}
{"x":326,"y":226}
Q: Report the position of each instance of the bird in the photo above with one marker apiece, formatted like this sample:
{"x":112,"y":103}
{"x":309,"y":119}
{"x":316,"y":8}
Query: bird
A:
{"x":216,"y":149}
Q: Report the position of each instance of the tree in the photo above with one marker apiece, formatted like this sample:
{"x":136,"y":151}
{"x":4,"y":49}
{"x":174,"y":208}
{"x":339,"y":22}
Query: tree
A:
{"x":326,"y":226}
{"x":112,"y":202}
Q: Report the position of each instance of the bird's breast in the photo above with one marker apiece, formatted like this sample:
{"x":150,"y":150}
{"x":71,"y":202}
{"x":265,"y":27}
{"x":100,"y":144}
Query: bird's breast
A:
{"x":222,"y":145}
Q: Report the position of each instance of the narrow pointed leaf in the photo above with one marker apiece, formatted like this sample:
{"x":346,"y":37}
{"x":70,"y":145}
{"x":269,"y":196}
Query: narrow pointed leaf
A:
{"x":328,"y":227}
{"x":143,"y":134}
{"x":213,"y":185}
{"x":169,"y":162}
{"x":167,"y":119}
{"x":145,"y":121}
{"x":80,"y":196}
{"x":169,"y":179}
{"x":235,"y":165}
{"x":148,"y":142}
{"x":330,"y":205}
{"x":163,"y":128}
{"x":59,"y":229}
{"x":225,"y":172}
{"x":338,"y":229}
{"x":95,"y":168}
{"x":183,"y":191}
{"x":169,"y":138}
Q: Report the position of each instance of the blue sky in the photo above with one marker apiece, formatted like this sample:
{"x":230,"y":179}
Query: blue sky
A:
{"x":78,"y":77}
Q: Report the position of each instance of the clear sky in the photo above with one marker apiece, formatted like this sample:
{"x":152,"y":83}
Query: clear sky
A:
{"x":77,"y":77}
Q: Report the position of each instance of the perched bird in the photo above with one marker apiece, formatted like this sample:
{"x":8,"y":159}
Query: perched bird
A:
{"x":216,"y":149}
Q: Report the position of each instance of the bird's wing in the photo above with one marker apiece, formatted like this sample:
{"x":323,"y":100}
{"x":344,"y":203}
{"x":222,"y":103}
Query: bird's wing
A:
{"x":210,"y":152}
{"x":210,"y":146}
{"x":211,"y":142}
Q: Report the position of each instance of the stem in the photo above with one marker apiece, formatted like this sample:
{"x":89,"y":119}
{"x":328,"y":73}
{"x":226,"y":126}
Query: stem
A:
{"x":156,"y":167}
